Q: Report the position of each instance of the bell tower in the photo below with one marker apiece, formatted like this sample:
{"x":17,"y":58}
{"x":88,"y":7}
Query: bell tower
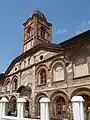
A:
{"x":37,"y":30}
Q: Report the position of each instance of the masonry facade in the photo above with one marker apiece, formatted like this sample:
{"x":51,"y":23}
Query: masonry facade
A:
{"x":44,"y":69}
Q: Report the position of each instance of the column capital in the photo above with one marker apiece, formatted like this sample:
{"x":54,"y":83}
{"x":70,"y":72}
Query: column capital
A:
{"x":4,"y":100}
{"x":44,"y":100}
{"x":77,"y":99}
{"x":21,"y":100}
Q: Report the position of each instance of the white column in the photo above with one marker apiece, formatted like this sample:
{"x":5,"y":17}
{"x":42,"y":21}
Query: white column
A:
{"x":3,"y":102}
{"x":44,"y":108}
{"x":20,"y":107}
{"x":0,"y":109}
{"x":78,"y":108}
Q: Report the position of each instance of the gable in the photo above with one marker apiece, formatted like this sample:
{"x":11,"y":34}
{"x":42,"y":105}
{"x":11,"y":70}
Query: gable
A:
{"x":15,"y":68}
{"x":30,"y":60}
{"x":47,"y":50}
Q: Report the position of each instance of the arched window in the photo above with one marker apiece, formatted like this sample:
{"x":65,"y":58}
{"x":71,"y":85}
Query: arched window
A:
{"x":14,"y":84}
{"x":42,"y":32}
{"x":8,"y":86}
{"x":42,"y":77}
{"x":37,"y":102}
{"x":58,"y":72}
{"x":29,"y":32}
{"x":60,"y":103}
{"x":59,"y":108}
{"x":80,"y":67}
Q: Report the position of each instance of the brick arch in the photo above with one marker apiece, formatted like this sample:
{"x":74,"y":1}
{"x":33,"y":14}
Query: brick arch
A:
{"x":39,"y":69}
{"x":78,"y":56}
{"x":14,"y":77}
{"x":39,"y":95}
{"x":81,"y":91}
{"x":74,"y":61}
{"x":37,"y":104}
{"x":13,"y":97}
{"x":59,"y":100}
{"x":6,"y":81}
{"x":61,"y":93}
{"x":41,"y":66}
{"x":25,"y":91}
{"x":57,"y":60}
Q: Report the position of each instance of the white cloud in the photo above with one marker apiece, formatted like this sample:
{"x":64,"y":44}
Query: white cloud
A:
{"x":89,"y":22}
{"x":83,"y":24}
{"x":81,"y":31}
{"x":77,"y":32}
{"x":61,"y":31}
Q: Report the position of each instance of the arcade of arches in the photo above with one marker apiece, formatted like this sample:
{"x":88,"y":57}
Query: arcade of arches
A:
{"x":59,"y":101}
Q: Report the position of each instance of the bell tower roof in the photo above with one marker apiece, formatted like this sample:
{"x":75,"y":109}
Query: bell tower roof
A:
{"x":39,"y":14}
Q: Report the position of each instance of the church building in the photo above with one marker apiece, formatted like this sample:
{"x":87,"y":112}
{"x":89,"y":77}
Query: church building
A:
{"x":44,"y":69}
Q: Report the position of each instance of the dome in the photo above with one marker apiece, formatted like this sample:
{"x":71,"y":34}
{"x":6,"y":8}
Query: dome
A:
{"x":41,"y":15}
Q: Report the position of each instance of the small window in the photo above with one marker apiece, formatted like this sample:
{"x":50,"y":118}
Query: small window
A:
{"x":28,"y":61}
{"x":42,"y":77}
{"x":41,"y":57}
{"x":24,"y":63}
{"x":15,"y":69}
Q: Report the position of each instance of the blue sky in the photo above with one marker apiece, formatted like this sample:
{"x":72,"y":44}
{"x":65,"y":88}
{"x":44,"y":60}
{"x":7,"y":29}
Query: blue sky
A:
{"x":69,"y":18}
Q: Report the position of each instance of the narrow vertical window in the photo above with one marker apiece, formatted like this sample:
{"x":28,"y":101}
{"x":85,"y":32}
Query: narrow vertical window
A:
{"x":29,"y":32}
{"x":14,"y":84}
{"x":28,"y":61}
{"x":8,"y":86}
{"x":42,"y":33}
{"x":43,"y":76}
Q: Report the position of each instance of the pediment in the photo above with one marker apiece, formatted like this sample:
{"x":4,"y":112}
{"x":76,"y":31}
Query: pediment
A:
{"x":15,"y":68}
